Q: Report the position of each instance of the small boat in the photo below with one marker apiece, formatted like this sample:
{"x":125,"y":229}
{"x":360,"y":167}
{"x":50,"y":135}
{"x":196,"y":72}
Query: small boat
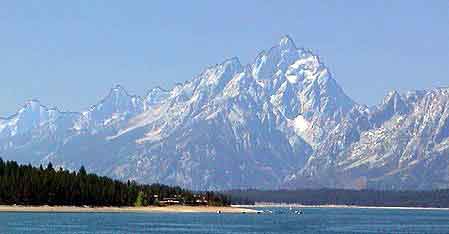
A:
{"x":300,"y":212}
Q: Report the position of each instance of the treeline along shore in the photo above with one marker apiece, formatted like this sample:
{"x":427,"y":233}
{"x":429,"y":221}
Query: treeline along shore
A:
{"x":35,"y":186}
{"x":25,"y":185}
{"x":321,"y":197}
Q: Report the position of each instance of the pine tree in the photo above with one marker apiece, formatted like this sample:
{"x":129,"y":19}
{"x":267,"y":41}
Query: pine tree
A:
{"x":27,"y":185}
{"x":139,"y":200}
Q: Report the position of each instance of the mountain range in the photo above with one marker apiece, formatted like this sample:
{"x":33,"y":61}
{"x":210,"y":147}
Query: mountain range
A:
{"x":280,"y":122}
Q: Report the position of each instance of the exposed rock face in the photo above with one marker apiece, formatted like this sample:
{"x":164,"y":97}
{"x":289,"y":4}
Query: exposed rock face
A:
{"x":400,"y":144}
{"x":282,"y":121}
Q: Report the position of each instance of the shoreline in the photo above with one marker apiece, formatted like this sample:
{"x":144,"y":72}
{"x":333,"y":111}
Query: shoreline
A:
{"x":285,"y":205}
{"x":148,"y":209}
{"x":233,"y":209}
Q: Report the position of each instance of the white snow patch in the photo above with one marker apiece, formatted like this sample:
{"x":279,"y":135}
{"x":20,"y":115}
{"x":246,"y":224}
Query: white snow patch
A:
{"x":292,"y":79}
{"x":301,"y":124}
{"x":151,"y":136}
{"x":237,"y":115}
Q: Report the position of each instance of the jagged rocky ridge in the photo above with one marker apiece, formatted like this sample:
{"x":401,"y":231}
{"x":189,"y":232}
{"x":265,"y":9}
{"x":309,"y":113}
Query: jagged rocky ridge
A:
{"x":280,"y":122}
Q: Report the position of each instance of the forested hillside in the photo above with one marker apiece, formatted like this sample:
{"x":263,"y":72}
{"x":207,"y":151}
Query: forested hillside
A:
{"x":388,"y":198}
{"x":28,"y":185}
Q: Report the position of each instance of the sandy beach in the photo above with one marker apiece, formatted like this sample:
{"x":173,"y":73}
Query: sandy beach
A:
{"x":150,"y":209}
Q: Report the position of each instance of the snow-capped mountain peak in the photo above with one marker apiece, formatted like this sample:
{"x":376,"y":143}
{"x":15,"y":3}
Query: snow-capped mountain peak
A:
{"x":33,"y":115}
{"x":281,"y":120}
{"x":30,"y":116}
{"x":117,"y":106}
{"x":286,"y":43}
{"x":156,"y":96}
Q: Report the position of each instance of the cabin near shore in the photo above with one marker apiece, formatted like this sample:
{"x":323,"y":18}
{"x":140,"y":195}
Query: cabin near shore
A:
{"x":198,"y":200}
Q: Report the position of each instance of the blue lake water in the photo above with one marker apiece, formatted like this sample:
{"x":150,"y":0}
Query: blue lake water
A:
{"x":314,"y":220}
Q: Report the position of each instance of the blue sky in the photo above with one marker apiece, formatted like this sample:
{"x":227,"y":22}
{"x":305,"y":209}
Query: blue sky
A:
{"x":70,"y":53}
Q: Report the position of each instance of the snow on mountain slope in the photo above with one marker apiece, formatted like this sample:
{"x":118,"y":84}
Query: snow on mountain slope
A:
{"x":33,"y":115}
{"x":116,"y":107}
{"x":281,"y":121}
{"x":243,"y":105}
{"x":155,"y":97}
{"x":402,"y":144}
